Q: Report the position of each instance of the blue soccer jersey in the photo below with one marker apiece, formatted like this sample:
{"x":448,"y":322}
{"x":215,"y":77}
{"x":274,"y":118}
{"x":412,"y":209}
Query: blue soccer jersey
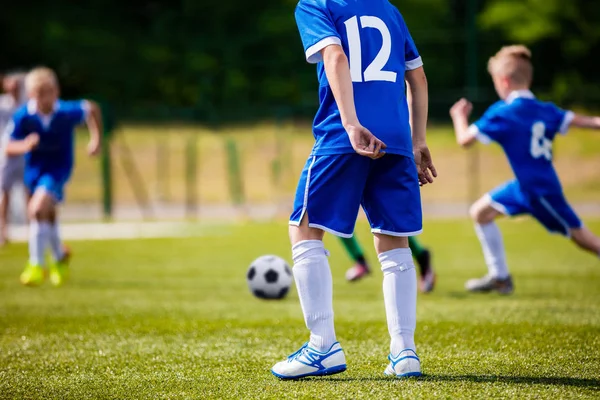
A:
{"x":525,"y":128}
{"x":380,"y":50}
{"x":55,"y":151}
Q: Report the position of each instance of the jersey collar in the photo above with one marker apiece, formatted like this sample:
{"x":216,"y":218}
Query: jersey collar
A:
{"x":519,"y":94}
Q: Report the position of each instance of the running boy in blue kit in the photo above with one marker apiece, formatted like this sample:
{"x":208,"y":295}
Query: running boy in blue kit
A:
{"x":364,"y":154}
{"x":525,"y":128}
{"x":43,"y":130}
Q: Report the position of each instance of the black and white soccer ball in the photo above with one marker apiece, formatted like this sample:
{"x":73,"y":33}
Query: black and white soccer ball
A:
{"x":269,"y":277}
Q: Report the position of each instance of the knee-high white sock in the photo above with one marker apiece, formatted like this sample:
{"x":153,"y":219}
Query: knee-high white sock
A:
{"x":38,"y":240}
{"x":400,"y":297}
{"x":55,"y":242}
{"x":493,"y":249}
{"x":315,"y":290}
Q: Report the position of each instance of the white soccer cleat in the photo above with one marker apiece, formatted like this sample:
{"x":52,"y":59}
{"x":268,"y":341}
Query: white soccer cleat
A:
{"x":310,"y":362}
{"x":406,"y":365}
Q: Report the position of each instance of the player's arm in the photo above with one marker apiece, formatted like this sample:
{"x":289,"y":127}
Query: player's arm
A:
{"x":19,"y":144}
{"x":340,"y":81}
{"x":418,"y":107}
{"x":20,"y":147}
{"x":583,"y":121}
{"x":94,"y":125}
{"x":460,"y":112}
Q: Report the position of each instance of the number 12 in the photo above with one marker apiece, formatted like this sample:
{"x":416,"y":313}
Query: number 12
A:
{"x":374,"y":71}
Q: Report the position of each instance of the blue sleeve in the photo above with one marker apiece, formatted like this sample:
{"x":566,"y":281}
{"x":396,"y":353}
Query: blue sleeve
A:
{"x":77,"y":111}
{"x":317,"y":30}
{"x":14,"y":129}
{"x":411,"y":54}
{"x":561,"y":119}
{"x":492,"y":126}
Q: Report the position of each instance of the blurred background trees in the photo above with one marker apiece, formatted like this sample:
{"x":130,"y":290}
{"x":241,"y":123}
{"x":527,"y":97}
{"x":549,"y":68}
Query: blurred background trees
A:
{"x":215,"y":60}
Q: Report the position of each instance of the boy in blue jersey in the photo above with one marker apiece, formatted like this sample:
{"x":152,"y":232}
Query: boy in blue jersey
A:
{"x":525,"y":128}
{"x":43,"y":130}
{"x":363,"y":155}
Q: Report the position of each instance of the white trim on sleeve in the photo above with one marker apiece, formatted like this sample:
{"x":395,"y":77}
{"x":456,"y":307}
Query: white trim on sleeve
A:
{"x":86,"y":107}
{"x":414,"y":64}
{"x":313,"y":53}
{"x":480,"y":136}
{"x":566,"y":122}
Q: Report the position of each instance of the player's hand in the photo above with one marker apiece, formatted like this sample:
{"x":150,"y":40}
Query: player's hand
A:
{"x":32,"y":140}
{"x":364,"y":142}
{"x":93,"y":147}
{"x":461,"y":108}
{"x":425,"y":167}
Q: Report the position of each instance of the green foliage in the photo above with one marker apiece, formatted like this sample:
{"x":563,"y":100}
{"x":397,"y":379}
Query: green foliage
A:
{"x":564,"y":35}
{"x":173,"y":319}
{"x":224,"y":60}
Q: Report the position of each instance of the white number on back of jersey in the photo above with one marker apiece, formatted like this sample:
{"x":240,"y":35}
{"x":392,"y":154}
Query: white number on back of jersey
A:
{"x":374,"y":71}
{"x":540,"y":145}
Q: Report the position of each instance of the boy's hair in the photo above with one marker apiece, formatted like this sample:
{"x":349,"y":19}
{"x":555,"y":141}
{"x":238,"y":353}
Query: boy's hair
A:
{"x":39,"y":76}
{"x":513,"y":62}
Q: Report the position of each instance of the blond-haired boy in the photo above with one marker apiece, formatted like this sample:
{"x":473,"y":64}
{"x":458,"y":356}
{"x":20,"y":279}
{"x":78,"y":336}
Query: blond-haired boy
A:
{"x":44,"y":131}
{"x":525,"y":128}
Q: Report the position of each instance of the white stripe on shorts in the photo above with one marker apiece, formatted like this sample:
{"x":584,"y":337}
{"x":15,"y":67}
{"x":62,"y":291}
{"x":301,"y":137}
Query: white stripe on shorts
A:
{"x":553,"y":212}
{"x":306,"y":188}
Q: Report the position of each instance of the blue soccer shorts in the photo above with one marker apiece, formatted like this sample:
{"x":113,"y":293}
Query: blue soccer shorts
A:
{"x":52,"y":183}
{"x":333,"y":187}
{"x":550,"y":210}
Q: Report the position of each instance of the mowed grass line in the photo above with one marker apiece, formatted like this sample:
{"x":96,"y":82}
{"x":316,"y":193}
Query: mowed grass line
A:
{"x":173,"y":319}
{"x":262,"y":145}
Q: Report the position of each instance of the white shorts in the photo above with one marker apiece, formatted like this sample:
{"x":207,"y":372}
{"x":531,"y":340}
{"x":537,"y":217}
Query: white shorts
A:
{"x":12,"y":170}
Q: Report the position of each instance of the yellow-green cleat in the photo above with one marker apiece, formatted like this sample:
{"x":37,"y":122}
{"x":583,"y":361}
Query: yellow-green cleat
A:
{"x":32,"y":275}
{"x":59,"y":271}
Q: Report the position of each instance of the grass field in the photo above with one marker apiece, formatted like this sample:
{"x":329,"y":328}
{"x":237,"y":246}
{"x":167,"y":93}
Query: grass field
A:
{"x":173,"y":319}
{"x":260,"y":145}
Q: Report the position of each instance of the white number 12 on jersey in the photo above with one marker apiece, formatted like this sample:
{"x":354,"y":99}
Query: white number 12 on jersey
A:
{"x":374,"y":71}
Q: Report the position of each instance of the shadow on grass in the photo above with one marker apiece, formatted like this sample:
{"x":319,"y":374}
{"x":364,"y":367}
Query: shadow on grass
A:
{"x":529,"y":380}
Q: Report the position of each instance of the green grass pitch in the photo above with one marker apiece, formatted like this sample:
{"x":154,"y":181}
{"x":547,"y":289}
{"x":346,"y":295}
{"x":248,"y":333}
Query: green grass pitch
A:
{"x":173,"y":319}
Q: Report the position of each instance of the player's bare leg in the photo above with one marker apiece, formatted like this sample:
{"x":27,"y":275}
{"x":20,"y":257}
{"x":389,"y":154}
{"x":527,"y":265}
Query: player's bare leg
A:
{"x":322,"y":354}
{"x":4,"y":208}
{"x":586,"y":239}
{"x":497,"y":278}
{"x":400,"y":297}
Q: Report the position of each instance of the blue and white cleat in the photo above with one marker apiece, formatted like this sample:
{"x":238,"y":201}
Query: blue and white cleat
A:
{"x":406,"y":365}
{"x":310,"y":362}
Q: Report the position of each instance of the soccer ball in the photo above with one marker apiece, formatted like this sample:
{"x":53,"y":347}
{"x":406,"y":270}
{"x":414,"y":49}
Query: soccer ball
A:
{"x":269,"y":277}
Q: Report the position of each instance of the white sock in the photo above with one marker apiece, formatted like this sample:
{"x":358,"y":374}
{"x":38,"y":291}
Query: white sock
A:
{"x":400,"y":297}
{"x":315,"y":290}
{"x":38,"y":240}
{"x":493,"y":249}
{"x":55,"y":243}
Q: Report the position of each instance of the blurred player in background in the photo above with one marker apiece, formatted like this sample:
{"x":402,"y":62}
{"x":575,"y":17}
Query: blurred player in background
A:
{"x":361,"y":268}
{"x":44,"y":131}
{"x":366,"y":59}
{"x":525,"y":128}
{"x":11,"y":168}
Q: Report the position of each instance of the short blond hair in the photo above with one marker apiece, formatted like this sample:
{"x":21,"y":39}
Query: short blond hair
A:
{"x":39,"y":76}
{"x":513,"y":62}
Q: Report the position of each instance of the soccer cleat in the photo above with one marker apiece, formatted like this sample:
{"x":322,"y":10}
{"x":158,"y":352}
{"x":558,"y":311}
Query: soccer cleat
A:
{"x":59,"y":271}
{"x":32,"y":275}
{"x":310,"y":362}
{"x":428,"y":277}
{"x":488,"y":283}
{"x":357,"y":272}
{"x":406,"y":365}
